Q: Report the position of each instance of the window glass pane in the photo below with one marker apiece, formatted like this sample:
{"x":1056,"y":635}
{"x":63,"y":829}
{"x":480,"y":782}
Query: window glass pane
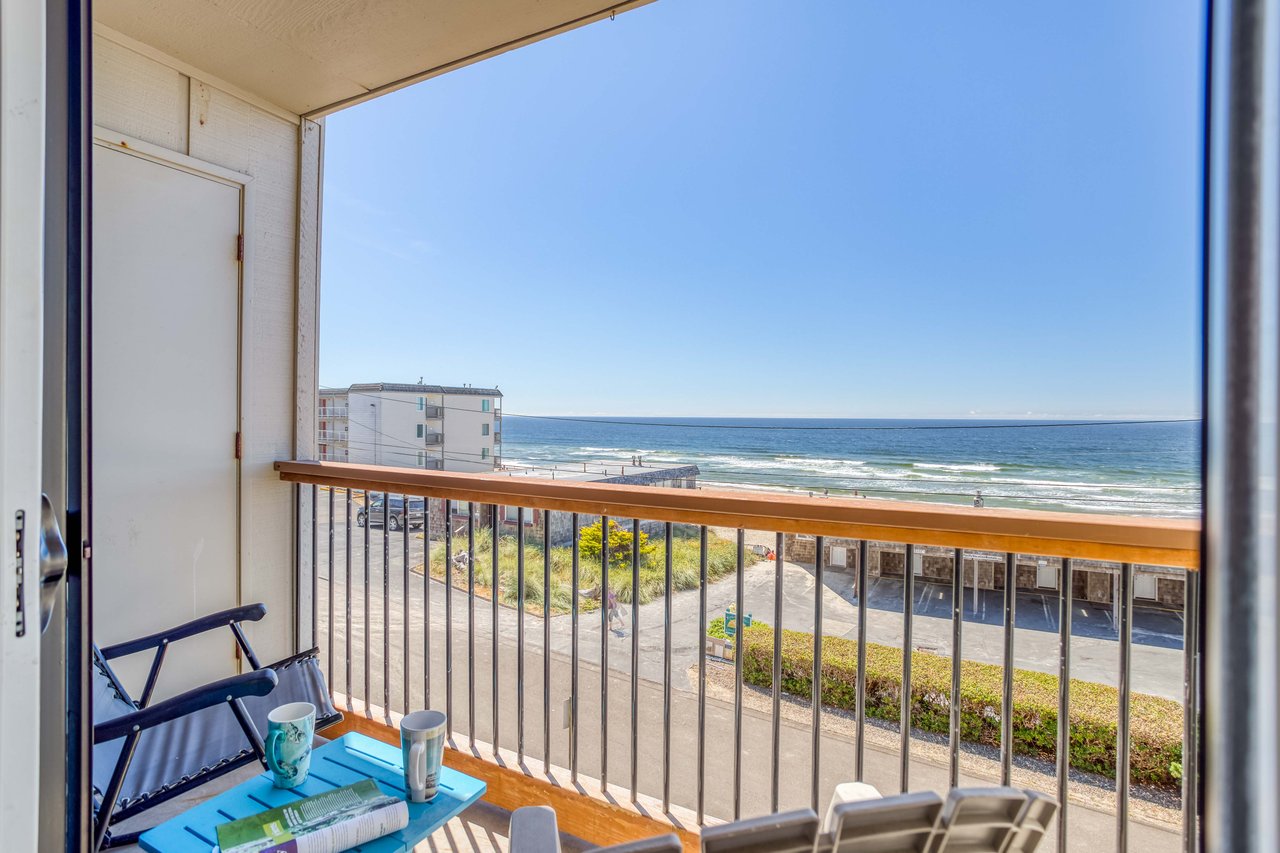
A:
{"x":484,"y":453}
{"x":484,"y":405}
{"x":422,"y":403}
{"x":419,"y":430}
{"x":484,"y":429}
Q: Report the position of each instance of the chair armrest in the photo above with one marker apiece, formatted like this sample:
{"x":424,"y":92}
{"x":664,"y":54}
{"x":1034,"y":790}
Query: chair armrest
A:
{"x":247,"y":613}
{"x":260,"y":682}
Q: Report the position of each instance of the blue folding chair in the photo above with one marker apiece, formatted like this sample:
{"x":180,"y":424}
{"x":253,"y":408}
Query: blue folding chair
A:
{"x":144,"y":753}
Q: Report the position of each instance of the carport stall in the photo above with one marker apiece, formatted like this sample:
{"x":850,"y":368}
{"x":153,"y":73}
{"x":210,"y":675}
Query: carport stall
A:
{"x":1092,"y":580}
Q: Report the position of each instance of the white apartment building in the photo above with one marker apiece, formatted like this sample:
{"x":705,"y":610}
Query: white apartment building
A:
{"x":436,"y":427}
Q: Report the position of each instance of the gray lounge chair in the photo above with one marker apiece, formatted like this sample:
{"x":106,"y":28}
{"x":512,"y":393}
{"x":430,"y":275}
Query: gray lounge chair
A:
{"x":145,"y":753}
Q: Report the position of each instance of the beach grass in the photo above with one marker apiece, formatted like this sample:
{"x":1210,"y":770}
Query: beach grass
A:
{"x":685,"y":570}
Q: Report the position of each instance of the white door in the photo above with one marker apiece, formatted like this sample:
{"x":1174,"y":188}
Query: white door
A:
{"x":839,"y":557}
{"x":22,"y":174}
{"x":1144,"y":586}
{"x":1046,"y":576}
{"x":166,"y":328}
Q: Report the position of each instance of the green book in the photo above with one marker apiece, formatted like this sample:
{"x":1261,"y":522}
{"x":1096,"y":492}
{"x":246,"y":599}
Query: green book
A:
{"x":326,"y":823}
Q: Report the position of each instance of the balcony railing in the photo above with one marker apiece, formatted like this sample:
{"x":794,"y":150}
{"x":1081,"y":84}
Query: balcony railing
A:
{"x":433,"y":413}
{"x":703,"y":722}
{"x":333,"y":412}
{"x":431,"y":438}
{"x":330,"y":435}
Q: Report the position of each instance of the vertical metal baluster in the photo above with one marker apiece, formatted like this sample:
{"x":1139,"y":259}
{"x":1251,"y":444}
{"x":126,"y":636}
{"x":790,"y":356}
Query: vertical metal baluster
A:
{"x":1064,"y":696}
{"x":573,"y":656}
{"x":448,"y":614}
{"x":1006,"y":705}
{"x":635,"y":655}
{"x":604,"y":653}
{"x":315,"y":565}
{"x":404,"y":591}
{"x":702,"y":672}
{"x":347,"y":605}
{"x":426,"y":602}
{"x":815,"y":680}
{"x":1191,"y":707}
{"x":386,"y":607}
{"x":520,"y":635}
{"x":546,"y":640}
{"x":957,"y":636}
{"x":494,"y":541}
{"x":1122,"y":730}
{"x":904,"y":695}
{"x":777,"y":675}
{"x":666,"y":673}
{"x":860,"y":687}
{"x":368,"y":582}
{"x":471,"y":622}
{"x":329,"y":626}
{"x":739,"y":644}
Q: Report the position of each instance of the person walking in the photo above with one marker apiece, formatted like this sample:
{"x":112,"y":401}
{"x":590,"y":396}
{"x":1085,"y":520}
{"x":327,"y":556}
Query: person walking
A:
{"x":615,"y":612}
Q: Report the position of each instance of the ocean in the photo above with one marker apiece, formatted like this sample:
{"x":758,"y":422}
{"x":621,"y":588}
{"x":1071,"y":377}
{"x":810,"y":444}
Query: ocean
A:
{"x":1127,"y":468}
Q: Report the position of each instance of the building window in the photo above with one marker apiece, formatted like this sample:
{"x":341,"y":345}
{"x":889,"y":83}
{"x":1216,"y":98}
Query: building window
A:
{"x":511,"y":515}
{"x":484,"y":453}
{"x":420,"y":430}
{"x":484,"y":405}
{"x":461,"y":507}
{"x":422,"y":403}
{"x":422,"y":459}
{"x":484,"y":429}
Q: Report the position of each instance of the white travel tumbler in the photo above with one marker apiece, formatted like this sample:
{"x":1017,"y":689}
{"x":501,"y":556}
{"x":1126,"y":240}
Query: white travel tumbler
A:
{"x":422,"y":747}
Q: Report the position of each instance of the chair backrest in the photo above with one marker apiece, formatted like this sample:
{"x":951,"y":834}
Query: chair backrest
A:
{"x":903,"y":824}
{"x":979,"y":820}
{"x":787,"y":832}
{"x":533,"y":829}
{"x":1033,"y":823}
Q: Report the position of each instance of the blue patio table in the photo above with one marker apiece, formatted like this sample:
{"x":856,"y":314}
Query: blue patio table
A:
{"x":348,"y":759}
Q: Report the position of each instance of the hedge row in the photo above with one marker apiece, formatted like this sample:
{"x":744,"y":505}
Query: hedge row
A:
{"x":1155,"y":729}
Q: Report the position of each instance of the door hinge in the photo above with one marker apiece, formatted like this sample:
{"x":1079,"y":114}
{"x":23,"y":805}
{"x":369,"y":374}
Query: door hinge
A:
{"x":239,"y":445}
{"x":239,"y":247}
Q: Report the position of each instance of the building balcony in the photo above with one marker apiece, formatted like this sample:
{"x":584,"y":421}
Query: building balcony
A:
{"x":684,"y":730}
{"x":433,"y":413}
{"x":333,"y":413}
{"x":433,"y":438}
{"x":331,"y":435}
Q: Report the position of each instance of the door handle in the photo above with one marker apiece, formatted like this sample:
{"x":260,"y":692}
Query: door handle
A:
{"x":53,"y":559}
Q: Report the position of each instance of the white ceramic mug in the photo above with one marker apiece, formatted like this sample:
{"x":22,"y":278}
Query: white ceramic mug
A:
{"x":422,"y":749}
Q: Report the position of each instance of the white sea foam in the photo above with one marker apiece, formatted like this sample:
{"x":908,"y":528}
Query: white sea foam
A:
{"x":947,"y":466}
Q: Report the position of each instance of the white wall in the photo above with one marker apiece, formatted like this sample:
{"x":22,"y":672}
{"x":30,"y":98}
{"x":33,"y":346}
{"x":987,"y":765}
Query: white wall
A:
{"x":463,"y":438}
{"x":140,"y":93}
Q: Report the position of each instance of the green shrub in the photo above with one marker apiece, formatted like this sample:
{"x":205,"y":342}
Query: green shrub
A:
{"x":621,"y":542}
{"x":1155,"y":723}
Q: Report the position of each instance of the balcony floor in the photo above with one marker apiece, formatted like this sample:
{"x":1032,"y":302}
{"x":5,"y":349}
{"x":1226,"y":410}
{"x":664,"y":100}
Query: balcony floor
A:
{"x":480,"y":829}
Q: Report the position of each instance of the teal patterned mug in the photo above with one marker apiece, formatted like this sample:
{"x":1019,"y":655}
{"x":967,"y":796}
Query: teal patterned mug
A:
{"x":290,"y":730}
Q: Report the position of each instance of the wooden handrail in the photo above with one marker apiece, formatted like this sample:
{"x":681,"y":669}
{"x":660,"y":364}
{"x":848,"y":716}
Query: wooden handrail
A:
{"x":1115,"y":538}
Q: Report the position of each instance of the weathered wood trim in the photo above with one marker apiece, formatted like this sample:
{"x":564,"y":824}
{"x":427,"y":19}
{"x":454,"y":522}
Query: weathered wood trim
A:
{"x":1154,"y":541}
{"x":581,"y":809}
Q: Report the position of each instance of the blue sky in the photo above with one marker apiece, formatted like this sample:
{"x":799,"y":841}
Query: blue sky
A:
{"x":739,"y":207}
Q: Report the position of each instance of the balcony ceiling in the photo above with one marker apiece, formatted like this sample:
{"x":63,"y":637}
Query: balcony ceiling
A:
{"x":309,"y":56}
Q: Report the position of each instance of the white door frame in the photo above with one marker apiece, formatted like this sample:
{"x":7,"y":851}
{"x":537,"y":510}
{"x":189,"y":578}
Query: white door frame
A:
{"x":22,"y":185}
{"x":122,"y":142}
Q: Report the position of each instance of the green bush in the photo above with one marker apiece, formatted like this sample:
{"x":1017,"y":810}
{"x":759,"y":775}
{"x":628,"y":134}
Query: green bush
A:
{"x":1155,"y":723}
{"x":621,"y":542}
{"x":715,"y":628}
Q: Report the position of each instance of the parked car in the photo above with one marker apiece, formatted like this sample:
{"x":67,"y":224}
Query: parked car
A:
{"x":396,"y":518}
